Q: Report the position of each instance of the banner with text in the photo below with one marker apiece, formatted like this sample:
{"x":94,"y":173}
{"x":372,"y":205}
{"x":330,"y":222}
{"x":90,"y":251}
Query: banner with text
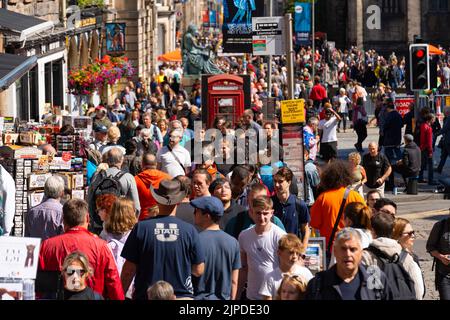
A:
{"x":302,"y":26}
{"x":237,"y":24}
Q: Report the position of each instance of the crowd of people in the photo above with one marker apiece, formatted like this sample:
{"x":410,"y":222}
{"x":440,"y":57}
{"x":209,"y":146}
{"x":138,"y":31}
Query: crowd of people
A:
{"x":158,"y":224}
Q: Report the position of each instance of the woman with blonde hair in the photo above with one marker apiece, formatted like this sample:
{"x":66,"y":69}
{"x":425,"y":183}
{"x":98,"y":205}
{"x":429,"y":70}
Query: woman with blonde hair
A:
{"x":76,"y":271}
{"x":358,"y":173}
{"x":113,"y":141}
{"x":293,"y":287}
{"x":405,"y":235}
{"x":117,"y":228}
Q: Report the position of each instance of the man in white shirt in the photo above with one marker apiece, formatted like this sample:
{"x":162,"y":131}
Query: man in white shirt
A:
{"x":174,"y":159}
{"x":290,"y":251}
{"x":259,"y":245}
{"x":328,"y":126}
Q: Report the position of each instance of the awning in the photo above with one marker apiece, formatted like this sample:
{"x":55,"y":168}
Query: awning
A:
{"x":433,"y":50}
{"x":174,"y":56}
{"x":22,"y":25}
{"x":13,"y":67}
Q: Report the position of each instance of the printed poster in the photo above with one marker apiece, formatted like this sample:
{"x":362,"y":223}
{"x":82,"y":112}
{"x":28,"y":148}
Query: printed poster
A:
{"x":19,"y":257}
{"x":237,"y":25}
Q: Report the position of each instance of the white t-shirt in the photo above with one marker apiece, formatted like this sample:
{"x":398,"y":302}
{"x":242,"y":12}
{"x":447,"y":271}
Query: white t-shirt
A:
{"x":329,"y":129}
{"x":261,"y":251}
{"x":169,"y":162}
{"x":273,"y":280}
{"x":343,"y":107}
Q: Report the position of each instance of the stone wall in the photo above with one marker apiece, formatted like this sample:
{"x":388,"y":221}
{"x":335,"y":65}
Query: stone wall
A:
{"x":435,"y":25}
{"x":44,"y":9}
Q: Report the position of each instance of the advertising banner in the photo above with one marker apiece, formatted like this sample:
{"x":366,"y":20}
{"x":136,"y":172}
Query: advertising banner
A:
{"x":237,"y":25}
{"x":292,"y":137}
{"x":302,"y":26}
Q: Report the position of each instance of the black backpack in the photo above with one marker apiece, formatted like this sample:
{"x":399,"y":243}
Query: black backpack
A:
{"x":108,"y":184}
{"x":399,"y":280}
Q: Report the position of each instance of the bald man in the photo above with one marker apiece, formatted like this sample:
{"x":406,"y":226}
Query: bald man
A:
{"x":377,"y":168}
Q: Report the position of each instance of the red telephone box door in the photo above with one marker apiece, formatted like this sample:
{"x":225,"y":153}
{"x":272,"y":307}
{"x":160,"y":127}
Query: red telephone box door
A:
{"x":225,"y":98}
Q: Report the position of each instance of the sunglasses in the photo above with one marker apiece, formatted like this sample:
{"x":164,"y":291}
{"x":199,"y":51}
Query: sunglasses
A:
{"x":410,"y":234}
{"x":71,"y":271}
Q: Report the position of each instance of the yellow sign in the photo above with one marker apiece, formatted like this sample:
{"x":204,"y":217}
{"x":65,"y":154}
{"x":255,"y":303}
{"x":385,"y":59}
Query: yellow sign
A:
{"x":447,"y":101}
{"x":293,"y":111}
{"x":85,"y":22}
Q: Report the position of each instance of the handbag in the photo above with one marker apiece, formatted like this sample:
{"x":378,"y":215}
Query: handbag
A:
{"x":338,"y":219}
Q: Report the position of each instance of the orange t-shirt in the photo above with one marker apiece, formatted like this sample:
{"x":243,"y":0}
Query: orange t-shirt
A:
{"x":143,"y":181}
{"x":325,"y":210}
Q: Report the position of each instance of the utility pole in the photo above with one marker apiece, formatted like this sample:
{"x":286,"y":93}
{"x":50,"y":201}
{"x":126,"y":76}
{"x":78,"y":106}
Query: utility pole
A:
{"x":269,"y":60}
{"x":289,"y":55}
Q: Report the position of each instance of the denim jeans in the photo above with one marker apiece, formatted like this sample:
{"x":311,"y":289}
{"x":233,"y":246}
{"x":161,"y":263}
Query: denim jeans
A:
{"x":427,"y":163}
{"x":393,"y":154}
{"x":443,"y":286}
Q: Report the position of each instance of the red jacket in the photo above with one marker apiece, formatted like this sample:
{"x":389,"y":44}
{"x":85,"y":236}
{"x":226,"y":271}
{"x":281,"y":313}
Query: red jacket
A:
{"x":318,"y":93}
{"x":106,"y":278}
{"x":143,"y":181}
{"x":426,"y":138}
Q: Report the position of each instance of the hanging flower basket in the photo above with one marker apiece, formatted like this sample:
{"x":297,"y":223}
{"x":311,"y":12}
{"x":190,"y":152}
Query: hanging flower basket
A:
{"x":93,"y":77}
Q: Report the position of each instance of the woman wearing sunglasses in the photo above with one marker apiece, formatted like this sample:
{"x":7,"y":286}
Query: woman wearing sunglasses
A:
{"x":405,"y":235}
{"x":75,"y":272}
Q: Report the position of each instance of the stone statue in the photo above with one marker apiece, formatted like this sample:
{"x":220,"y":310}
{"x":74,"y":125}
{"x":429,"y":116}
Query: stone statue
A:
{"x":197,"y":59}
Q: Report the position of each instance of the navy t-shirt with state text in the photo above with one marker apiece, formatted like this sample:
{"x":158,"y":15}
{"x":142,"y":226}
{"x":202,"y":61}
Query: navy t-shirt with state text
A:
{"x":163,"y":248}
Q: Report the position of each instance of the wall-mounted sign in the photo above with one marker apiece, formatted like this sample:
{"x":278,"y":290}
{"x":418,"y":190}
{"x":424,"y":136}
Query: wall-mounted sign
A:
{"x":115,"y":38}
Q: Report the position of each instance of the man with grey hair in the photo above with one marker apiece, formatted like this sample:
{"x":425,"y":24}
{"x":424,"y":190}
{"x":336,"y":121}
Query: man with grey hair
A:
{"x":409,"y":165}
{"x":146,"y":143}
{"x":114,"y":158}
{"x":45,"y":220}
{"x":174,"y":159}
{"x":175,"y":125}
{"x":348,"y":279}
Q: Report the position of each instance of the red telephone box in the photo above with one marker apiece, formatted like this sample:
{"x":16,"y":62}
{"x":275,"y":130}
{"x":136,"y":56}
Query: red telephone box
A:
{"x":225,"y":97}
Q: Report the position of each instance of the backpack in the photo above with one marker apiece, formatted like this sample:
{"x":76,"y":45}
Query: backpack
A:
{"x":109,"y":184}
{"x":116,"y":248}
{"x":400,"y":281}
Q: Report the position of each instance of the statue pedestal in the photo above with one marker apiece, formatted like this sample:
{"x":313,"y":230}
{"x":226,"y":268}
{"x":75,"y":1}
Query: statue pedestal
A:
{"x":188,"y":81}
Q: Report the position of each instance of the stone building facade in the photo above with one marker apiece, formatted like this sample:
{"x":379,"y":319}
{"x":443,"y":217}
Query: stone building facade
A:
{"x":350,"y":22}
{"x":150,"y":31}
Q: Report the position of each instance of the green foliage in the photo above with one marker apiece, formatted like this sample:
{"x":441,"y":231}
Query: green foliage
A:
{"x":85,"y":3}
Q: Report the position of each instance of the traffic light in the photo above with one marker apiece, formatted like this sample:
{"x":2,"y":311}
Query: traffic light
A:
{"x":419,"y":67}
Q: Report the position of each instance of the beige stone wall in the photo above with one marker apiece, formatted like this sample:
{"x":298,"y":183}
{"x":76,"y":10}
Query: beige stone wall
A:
{"x":44,"y":9}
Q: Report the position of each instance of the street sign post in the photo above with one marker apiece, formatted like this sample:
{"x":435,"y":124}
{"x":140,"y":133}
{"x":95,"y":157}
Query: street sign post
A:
{"x":268,"y":36}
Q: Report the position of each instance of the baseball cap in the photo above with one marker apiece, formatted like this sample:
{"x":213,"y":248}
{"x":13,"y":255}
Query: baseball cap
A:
{"x":100,"y":107}
{"x":100,"y":128}
{"x":211,"y":205}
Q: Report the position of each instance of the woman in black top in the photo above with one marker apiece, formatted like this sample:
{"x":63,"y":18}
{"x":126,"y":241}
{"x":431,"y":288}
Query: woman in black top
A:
{"x":75,"y":272}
